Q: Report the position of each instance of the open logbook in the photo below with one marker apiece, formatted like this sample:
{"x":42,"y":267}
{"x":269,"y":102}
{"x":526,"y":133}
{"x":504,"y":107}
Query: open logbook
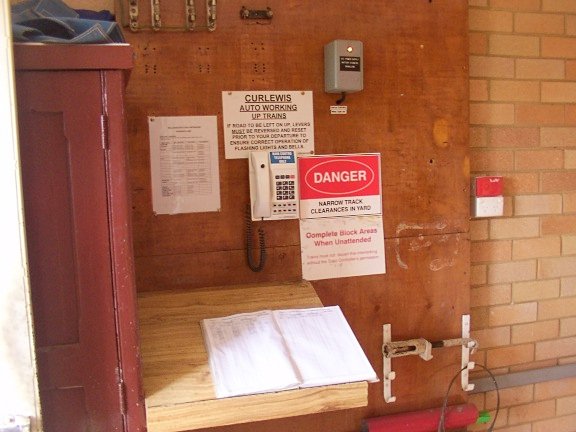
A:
{"x":269,"y":351}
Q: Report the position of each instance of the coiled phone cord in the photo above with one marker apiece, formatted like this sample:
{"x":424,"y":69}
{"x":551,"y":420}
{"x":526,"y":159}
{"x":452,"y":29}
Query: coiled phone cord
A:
{"x":249,"y":246}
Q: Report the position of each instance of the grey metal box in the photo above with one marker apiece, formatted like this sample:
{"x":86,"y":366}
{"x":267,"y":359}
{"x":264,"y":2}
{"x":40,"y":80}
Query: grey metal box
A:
{"x":343,"y":66}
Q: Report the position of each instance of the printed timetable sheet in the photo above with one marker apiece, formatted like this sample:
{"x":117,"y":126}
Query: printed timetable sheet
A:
{"x":184,"y":164}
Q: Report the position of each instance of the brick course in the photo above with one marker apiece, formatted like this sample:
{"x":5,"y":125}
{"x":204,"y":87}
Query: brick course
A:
{"x":523,"y":271}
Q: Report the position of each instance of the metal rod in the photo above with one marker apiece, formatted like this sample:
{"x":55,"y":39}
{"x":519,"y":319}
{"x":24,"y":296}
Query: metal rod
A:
{"x":517,"y":379}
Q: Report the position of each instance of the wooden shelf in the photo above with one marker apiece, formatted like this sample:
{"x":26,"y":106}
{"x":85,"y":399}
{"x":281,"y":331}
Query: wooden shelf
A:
{"x":177,"y":382}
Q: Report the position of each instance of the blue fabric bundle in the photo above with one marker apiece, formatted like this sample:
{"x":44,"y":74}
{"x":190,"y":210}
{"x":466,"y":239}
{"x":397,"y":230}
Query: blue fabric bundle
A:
{"x":52,"y":21}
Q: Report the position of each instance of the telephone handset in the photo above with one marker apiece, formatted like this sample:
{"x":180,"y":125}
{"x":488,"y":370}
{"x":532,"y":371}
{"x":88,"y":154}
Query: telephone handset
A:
{"x":273,"y":185}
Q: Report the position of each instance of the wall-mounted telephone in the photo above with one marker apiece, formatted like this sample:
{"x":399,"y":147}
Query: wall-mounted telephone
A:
{"x":273,"y":195}
{"x":273,"y":185}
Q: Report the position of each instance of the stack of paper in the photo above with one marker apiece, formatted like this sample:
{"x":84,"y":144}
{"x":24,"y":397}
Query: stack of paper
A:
{"x":270,"y":351}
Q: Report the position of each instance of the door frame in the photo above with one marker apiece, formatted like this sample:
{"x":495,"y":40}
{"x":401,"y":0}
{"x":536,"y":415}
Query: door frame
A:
{"x":17,"y":358}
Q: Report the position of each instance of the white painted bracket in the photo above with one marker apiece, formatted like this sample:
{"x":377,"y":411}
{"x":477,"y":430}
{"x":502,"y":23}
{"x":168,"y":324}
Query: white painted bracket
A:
{"x":388,"y":374}
{"x":467,"y":365}
{"x":155,"y":14}
{"x":423,"y":348}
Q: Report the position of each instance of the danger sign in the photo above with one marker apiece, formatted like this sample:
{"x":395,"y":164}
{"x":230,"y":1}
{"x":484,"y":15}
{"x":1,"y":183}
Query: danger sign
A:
{"x":339,"y":185}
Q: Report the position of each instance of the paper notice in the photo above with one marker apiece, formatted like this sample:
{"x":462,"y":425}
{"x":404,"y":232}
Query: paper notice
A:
{"x":184,"y":164}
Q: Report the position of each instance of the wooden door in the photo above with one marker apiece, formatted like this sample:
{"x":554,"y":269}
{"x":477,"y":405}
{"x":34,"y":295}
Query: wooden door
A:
{"x":68,"y":237}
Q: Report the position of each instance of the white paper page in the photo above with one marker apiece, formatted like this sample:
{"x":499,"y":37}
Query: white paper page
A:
{"x":184,"y":164}
{"x":323,"y":346}
{"x":247,"y":355}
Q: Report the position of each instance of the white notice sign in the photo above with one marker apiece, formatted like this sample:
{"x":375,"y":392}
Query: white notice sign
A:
{"x":267,"y":120}
{"x":184,"y":164}
{"x":342,"y":246}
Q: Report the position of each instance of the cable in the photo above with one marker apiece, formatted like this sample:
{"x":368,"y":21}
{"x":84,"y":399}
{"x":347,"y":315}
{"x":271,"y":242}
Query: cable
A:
{"x":441,"y":427}
{"x":342,"y":98}
{"x":249,"y":246}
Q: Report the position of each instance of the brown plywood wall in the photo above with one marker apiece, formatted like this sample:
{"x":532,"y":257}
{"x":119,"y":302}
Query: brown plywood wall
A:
{"x":413,"y":110}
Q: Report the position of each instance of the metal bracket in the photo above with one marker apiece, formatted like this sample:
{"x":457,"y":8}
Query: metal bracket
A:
{"x":190,"y":15}
{"x":423,"y":348}
{"x":188,"y":24}
{"x":467,"y":348}
{"x":388,"y":375}
{"x":211,"y":14}
{"x":133,"y":13}
{"x":155,"y":13}
{"x":256,"y":14}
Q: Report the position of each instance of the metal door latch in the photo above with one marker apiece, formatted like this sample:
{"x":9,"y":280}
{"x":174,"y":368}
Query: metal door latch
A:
{"x":250,"y":14}
{"x":423,"y":348}
{"x":420,"y":347}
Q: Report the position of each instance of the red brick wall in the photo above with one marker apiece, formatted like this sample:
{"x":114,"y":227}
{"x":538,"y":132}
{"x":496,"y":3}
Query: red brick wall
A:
{"x":523,"y":274}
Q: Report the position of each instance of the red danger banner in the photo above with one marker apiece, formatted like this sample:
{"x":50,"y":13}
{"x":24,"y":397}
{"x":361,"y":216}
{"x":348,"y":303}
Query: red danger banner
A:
{"x":340,"y":185}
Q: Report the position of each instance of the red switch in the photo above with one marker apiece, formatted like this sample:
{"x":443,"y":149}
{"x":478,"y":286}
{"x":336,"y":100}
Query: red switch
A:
{"x":488,"y":186}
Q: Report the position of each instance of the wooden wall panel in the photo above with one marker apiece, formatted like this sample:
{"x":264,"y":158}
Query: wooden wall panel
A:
{"x":413,"y":110}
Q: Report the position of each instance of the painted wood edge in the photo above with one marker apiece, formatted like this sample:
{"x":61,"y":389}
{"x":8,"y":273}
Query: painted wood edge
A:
{"x":73,"y":57}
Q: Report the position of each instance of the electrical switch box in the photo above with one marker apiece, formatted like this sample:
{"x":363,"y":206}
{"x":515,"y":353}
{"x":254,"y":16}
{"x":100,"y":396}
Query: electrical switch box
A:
{"x":343,"y":66}
{"x":487,"y":200}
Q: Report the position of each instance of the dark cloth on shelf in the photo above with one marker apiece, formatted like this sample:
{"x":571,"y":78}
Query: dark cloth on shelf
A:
{"x":52,"y":21}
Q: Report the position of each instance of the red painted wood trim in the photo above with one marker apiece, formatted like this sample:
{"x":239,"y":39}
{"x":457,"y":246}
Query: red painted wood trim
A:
{"x":119,"y":212}
{"x":72,"y":57}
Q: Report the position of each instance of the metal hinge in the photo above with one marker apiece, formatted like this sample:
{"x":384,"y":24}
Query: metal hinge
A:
{"x":122,"y":397}
{"x":104,"y":130}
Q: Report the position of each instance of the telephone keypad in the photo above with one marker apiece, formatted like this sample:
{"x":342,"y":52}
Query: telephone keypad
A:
{"x":284,"y":185}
